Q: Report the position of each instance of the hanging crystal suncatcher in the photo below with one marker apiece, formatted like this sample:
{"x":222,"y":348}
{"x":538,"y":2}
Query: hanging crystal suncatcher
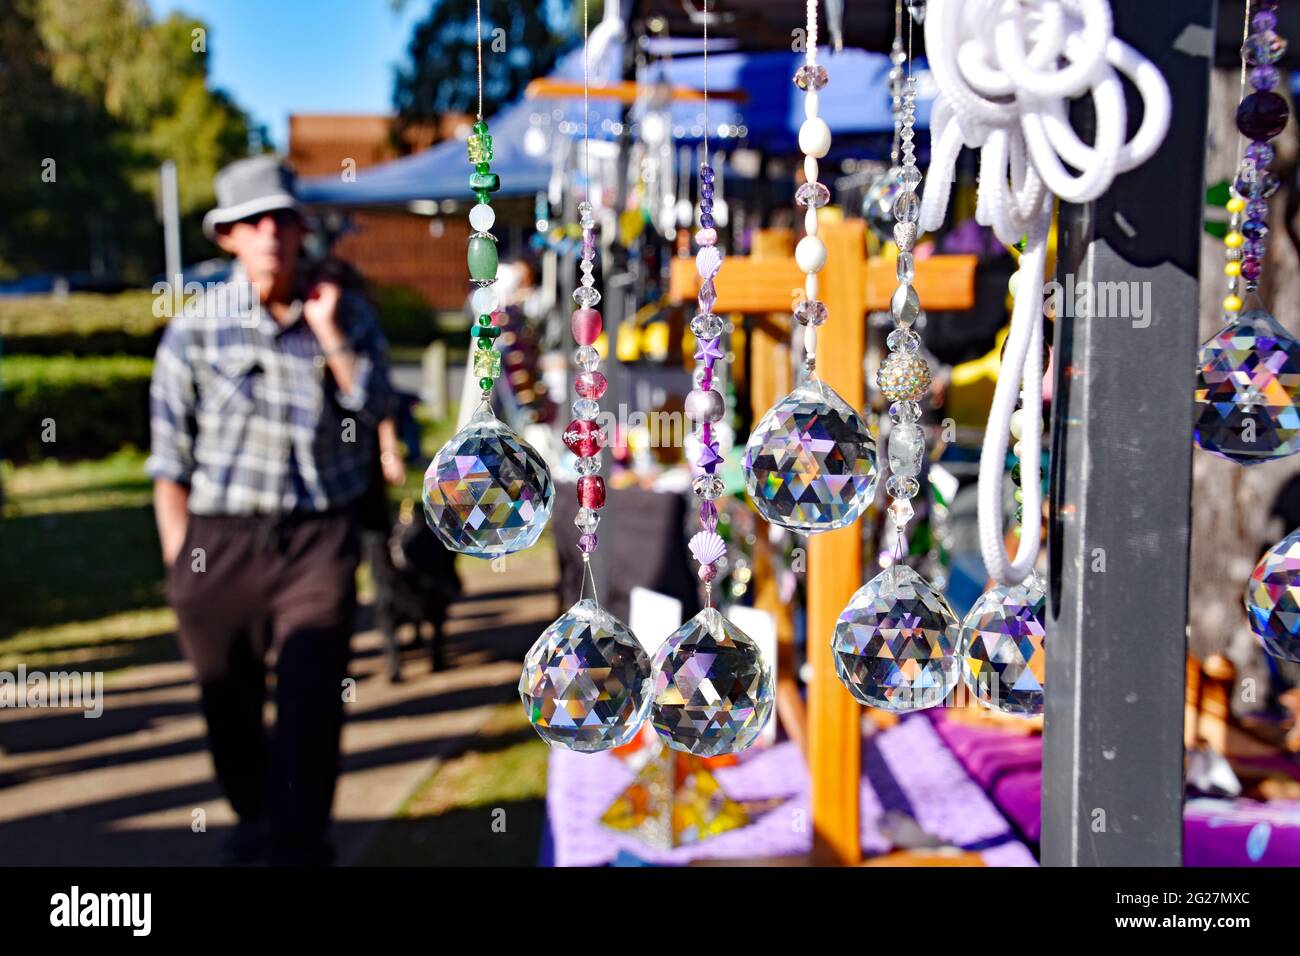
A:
{"x":713,"y":691}
{"x":895,"y":643}
{"x":487,"y":492}
{"x":1001,"y":648}
{"x":810,"y":463}
{"x":586,"y":682}
{"x":1248,"y":373}
{"x":1273,"y":599}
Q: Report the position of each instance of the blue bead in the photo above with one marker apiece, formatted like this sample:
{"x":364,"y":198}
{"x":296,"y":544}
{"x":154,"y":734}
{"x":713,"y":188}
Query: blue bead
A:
{"x":706,"y":220}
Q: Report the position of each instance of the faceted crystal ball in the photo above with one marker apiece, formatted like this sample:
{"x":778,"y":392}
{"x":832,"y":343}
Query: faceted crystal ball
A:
{"x":487,"y":492}
{"x":878,"y":203}
{"x":713,"y":692}
{"x":586,"y":683}
{"x":895,"y":644}
{"x":1273,"y":599}
{"x":1001,"y":648}
{"x":810,"y":464}
{"x":1247,"y":378}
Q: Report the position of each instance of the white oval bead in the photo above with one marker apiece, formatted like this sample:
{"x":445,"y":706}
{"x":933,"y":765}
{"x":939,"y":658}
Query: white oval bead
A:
{"x":810,"y":222}
{"x":481,"y":217}
{"x":811,"y":104}
{"x":815,"y":137}
{"x":811,"y":286}
{"x":1018,"y":423}
{"x":810,"y":340}
{"x":484,"y":300}
{"x":810,"y":254}
{"x":810,"y":169}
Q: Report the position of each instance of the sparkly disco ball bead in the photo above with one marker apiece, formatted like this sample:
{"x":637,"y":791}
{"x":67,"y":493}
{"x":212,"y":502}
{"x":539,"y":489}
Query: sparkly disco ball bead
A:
{"x":810,"y":464}
{"x":895,"y":644}
{"x":586,"y":683}
{"x":1247,"y":379}
{"x":1273,"y":599}
{"x":903,"y":377}
{"x":1001,"y":648}
{"x":487,"y":492}
{"x":713,"y":692}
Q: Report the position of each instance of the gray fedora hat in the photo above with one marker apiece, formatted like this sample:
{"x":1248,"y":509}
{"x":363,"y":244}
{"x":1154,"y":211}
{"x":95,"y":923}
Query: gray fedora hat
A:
{"x":250,"y":186}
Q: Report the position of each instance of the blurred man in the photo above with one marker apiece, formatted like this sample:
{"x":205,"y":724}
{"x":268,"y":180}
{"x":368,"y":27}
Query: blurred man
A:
{"x":264,"y":404}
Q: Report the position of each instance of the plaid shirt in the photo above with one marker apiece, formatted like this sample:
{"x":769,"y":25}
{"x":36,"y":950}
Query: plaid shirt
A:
{"x":244,"y":411}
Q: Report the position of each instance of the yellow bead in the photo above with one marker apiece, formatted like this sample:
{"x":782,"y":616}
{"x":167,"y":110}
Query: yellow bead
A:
{"x":1232,"y":268}
{"x":1233,"y":240}
{"x":1236,"y":204}
{"x":1232,"y":303}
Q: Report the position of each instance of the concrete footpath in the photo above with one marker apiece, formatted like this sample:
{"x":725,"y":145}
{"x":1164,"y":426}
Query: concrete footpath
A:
{"x":129,"y":787}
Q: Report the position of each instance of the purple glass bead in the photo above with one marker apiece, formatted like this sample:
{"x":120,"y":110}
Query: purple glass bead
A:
{"x":708,"y":572}
{"x":706,"y":220}
{"x":706,"y":190}
{"x":1264,"y":77}
{"x":708,"y":295}
{"x":706,"y":173}
{"x":709,"y":515}
{"x":1250,"y":268}
{"x":1257,"y":209}
{"x":1264,"y":20}
{"x":1262,"y":115}
{"x":1260,"y":48}
{"x":587,"y":543}
{"x":1261,"y":154}
{"x":1253,"y":249}
{"x":1253,"y":184}
{"x":1254,"y":229}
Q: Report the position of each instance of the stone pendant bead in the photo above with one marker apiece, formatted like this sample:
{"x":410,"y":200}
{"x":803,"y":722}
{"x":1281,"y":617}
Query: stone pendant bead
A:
{"x":481,"y":257}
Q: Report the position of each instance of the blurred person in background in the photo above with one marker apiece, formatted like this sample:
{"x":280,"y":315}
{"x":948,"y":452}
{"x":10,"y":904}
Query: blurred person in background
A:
{"x":264,"y":406}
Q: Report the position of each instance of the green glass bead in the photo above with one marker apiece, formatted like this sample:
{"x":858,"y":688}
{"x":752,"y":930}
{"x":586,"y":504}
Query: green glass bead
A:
{"x":483,"y":196}
{"x":486,"y":384}
{"x":1015,"y":472}
{"x":479,"y":147}
{"x":485,"y":343}
{"x":1019,"y":496}
{"x":487,"y":181}
{"x":485,"y":320}
{"x":483,"y":168}
{"x":487,"y":363}
{"x":480,"y":126}
{"x":482,"y":258}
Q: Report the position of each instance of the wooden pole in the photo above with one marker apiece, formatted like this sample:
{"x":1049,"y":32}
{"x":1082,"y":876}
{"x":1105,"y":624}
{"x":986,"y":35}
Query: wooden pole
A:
{"x":835,"y":570}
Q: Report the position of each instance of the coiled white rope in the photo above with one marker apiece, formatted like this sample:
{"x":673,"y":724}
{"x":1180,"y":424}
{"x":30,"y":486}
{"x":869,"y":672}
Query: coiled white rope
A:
{"x":1004,"y":70}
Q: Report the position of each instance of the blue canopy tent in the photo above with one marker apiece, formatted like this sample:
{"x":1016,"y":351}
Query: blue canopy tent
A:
{"x":856,"y":103}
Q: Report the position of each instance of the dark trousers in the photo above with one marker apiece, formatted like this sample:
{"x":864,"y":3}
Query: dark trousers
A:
{"x":248,"y":588}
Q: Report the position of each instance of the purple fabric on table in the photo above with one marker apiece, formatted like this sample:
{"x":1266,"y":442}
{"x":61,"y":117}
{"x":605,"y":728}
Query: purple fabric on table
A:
{"x":914,"y":767}
{"x":1008,"y":766}
{"x":1241,"y":832}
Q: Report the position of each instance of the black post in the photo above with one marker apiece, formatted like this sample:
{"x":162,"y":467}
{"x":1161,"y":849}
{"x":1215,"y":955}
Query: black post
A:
{"x":1121,"y":479}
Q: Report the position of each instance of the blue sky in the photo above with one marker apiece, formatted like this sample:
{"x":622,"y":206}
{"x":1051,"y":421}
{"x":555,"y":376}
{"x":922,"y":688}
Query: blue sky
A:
{"x":303,"y":56}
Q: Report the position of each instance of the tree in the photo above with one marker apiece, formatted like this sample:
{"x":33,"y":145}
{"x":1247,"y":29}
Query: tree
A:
{"x":520,"y":42}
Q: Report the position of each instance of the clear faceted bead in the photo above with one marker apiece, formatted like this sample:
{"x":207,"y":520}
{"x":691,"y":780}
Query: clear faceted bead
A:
{"x":903,"y":340}
{"x":487,"y":492}
{"x":810,"y":312}
{"x":810,"y":464}
{"x":812,"y":195}
{"x":905,"y":412}
{"x":1001,"y":648}
{"x":707,"y":325}
{"x":713,"y":692}
{"x":586,"y":297}
{"x":878,"y":202}
{"x":587,"y":466}
{"x":895,"y":643}
{"x":586,"y":410}
{"x":586,"y":358}
{"x":905,"y":306}
{"x":586,"y":520}
{"x":1273,"y":599}
{"x":586,"y":683}
{"x":906,"y":449}
{"x":811,"y":77}
{"x":1247,"y":381}
{"x":708,"y":487}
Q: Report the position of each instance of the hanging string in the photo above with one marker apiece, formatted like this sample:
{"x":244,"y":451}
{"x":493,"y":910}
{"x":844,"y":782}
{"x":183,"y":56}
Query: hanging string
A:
{"x":478,"y":51}
{"x":706,"y":80}
{"x":586,"y":115}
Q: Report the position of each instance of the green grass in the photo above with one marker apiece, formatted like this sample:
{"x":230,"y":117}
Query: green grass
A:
{"x":455,"y":817}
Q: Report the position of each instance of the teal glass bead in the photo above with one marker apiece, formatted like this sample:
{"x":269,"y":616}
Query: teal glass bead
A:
{"x":489,"y":182}
{"x":482,"y":258}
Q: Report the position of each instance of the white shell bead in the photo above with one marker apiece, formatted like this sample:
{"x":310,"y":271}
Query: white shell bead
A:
{"x":810,"y":222}
{"x":810,"y":340}
{"x":810,"y":254}
{"x":810,"y":169}
{"x":811,"y":286}
{"x":815,"y":137}
{"x":811,"y":104}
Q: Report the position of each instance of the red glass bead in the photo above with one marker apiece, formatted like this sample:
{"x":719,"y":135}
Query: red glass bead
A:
{"x":590,"y":385}
{"x":584,"y":439}
{"x":591,"y":491}
{"x":586,"y":326}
